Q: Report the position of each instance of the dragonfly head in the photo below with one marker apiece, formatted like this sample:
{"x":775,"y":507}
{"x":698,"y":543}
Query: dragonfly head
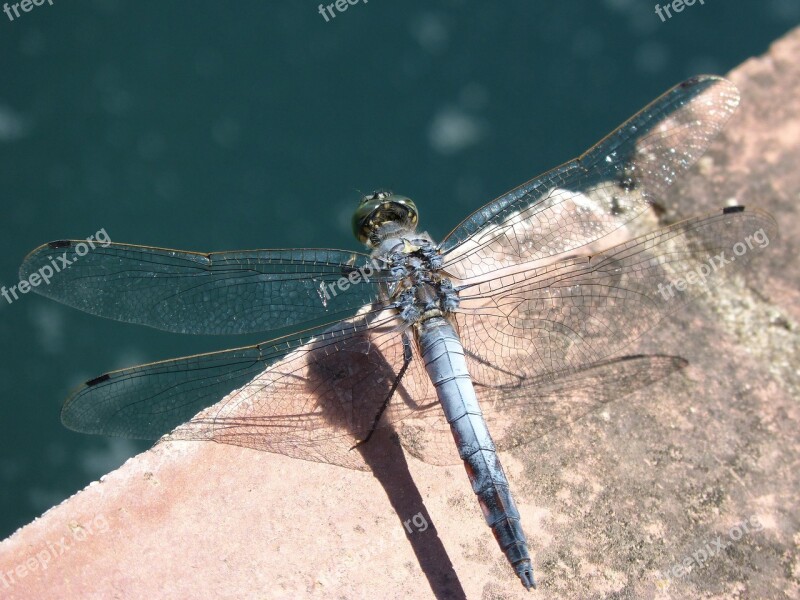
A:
{"x":379,"y":209}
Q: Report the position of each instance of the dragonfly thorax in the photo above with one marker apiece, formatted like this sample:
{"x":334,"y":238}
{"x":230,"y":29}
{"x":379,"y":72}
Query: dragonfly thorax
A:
{"x":420,"y":289}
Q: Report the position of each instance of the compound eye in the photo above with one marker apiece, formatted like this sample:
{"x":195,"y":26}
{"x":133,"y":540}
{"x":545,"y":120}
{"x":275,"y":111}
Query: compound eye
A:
{"x":380,"y":208}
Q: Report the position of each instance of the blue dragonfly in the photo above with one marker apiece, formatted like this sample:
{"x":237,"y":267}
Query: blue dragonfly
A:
{"x":509,"y":325}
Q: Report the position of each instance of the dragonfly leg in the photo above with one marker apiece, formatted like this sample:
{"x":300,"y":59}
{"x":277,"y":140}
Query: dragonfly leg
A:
{"x":407,"y":355}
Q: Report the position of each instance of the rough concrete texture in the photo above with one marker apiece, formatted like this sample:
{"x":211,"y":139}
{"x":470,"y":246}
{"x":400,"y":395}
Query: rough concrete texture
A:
{"x":704,"y":464}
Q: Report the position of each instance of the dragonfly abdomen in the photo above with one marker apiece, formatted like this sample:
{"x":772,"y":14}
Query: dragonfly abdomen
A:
{"x":443,"y":355}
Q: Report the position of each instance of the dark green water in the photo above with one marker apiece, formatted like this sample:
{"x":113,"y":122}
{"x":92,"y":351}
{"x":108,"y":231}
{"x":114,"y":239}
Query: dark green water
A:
{"x":211,"y":126}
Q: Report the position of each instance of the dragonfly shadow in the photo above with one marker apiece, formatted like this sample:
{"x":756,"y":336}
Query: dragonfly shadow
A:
{"x":365,"y":380}
{"x":387,"y":460}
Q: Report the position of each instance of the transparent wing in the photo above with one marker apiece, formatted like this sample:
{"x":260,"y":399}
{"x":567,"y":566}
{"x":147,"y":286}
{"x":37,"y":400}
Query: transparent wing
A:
{"x":520,"y":413}
{"x":565,"y":314}
{"x":312,"y":396}
{"x":591,"y":196}
{"x":188,"y":292}
{"x":537,"y":343}
{"x":549,"y":402}
{"x":538,"y":340}
{"x":319,"y":403}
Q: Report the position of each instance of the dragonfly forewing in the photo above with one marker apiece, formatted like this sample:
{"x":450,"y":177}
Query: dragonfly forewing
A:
{"x":582,"y":309}
{"x":234,"y":292}
{"x":592,"y":196}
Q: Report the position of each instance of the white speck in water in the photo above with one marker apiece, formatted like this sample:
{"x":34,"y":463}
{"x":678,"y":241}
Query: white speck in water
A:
{"x":97,"y":463}
{"x":48,"y":321}
{"x":453,"y":130}
{"x":788,"y":10}
{"x":12,"y":125}
{"x":430,"y":32}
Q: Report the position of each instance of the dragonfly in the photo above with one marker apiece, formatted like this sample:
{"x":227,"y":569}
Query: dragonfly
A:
{"x":505,"y":330}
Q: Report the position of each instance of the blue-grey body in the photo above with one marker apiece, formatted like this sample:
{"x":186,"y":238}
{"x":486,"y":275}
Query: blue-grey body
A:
{"x":446,"y":365}
{"x":424,"y":297}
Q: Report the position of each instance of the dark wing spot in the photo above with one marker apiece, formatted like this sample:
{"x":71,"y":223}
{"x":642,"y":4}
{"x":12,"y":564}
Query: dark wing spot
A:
{"x":732,"y":209}
{"x":96,"y":380}
{"x":692,"y":81}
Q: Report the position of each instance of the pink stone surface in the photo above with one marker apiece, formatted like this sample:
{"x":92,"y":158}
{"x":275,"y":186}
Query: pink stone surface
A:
{"x":610,"y":505}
